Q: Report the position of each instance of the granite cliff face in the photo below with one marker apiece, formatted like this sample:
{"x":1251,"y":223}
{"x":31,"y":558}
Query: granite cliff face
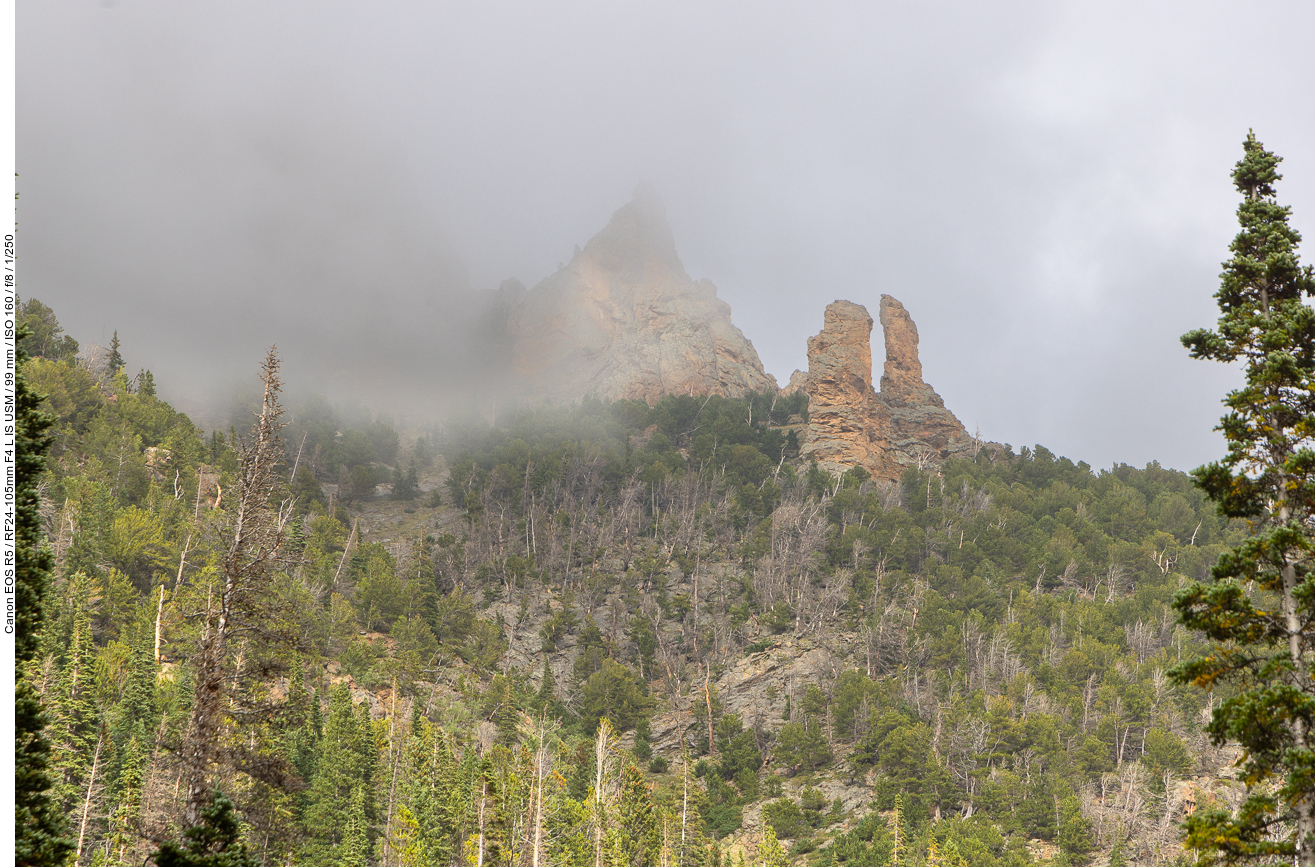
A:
{"x":844,"y":415}
{"x":624,"y":320}
{"x":850,"y":423}
{"x":918,"y":424}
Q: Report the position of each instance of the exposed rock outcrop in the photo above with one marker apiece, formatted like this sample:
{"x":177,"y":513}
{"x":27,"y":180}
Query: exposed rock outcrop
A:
{"x":918,"y":424}
{"x":844,"y":414}
{"x":798,"y":382}
{"x":851,"y":424}
{"x":623,"y":320}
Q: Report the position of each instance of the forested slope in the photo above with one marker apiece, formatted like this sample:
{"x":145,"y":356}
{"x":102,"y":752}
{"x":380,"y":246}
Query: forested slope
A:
{"x":963,"y":667}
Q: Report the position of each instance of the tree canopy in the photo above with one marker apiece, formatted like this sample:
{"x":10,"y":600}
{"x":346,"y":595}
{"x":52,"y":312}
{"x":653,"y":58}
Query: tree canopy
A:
{"x":1258,"y":605}
{"x":38,"y":824}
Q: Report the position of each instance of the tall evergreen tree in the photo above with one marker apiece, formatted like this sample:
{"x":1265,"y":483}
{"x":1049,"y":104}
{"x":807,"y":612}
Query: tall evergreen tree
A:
{"x":354,"y":850}
{"x":344,"y":767}
{"x":125,"y":821}
{"x":116,"y":359}
{"x":898,"y":834}
{"x":1259,"y":603}
{"x":637,"y":821}
{"x":771,"y":853}
{"x":500,"y":708}
{"x":76,"y":722}
{"x":39,"y":833}
{"x":547,"y":693}
{"x":242,"y":606}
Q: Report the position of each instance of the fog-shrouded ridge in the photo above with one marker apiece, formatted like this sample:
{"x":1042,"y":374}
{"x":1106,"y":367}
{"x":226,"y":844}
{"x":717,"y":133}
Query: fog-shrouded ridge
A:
{"x":1043,"y":186}
{"x":284,"y":230}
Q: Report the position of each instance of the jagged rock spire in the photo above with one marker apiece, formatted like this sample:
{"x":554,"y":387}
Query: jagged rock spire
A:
{"x":851,"y":424}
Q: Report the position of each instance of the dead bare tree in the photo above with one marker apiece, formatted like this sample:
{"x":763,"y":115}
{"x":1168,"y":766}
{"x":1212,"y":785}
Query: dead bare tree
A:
{"x":253,"y":545}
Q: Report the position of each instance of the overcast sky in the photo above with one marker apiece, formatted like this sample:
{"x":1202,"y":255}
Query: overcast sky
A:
{"x":1045,"y":186}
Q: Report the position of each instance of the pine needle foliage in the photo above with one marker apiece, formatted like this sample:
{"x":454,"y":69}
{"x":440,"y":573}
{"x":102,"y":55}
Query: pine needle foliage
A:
{"x":39,"y":837}
{"x":214,"y":841}
{"x":1258,"y":605}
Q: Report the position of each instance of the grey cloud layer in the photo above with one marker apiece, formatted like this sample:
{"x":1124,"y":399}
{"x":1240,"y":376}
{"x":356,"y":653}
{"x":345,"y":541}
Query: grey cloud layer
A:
{"x":1044,"y":186}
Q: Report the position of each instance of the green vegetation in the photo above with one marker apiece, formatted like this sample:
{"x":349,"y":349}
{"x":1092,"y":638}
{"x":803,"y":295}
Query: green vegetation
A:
{"x":1259,"y":602}
{"x":973,"y":657}
{"x":39,"y":832}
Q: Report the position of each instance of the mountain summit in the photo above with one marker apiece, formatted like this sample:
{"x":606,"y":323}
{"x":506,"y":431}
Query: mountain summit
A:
{"x":624,"y":320}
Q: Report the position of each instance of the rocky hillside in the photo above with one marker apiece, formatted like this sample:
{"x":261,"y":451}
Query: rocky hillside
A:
{"x":963,"y":665}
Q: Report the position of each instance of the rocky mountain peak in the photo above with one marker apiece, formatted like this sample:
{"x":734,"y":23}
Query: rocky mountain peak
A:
{"x":638,"y":238}
{"x":624,"y":320}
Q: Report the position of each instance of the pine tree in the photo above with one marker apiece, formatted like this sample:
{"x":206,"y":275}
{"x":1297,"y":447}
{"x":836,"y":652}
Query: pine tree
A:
{"x":46,"y":337}
{"x":771,"y":853}
{"x":898,"y":835}
{"x":455,"y":787}
{"x":1259,"y":603}
{"x":547,"y":693}
{"x":947,"y":855}
{"x":354,"y":850}
{"x":599,"y":801}
{"x":136,"y":713}
{"x":637,"y":820}
{"x":409,"y":840}
{"x":344,"y":766}
{"x":419,"y":836}
{"x":406,"y":486}
{"x":116,"y":360}
{"x":214,"y":841}
{"x":125,"y":820}
{"x":94,"y":512}
{"x":500,"y":708}
{"x":39,"y":832}
{"x":302,"y":734}
{"x":77,"y":729}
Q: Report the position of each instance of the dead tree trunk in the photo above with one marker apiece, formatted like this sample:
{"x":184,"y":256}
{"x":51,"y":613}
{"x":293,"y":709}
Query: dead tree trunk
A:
{"x":86,"y":802}
{"x":253,"y":545}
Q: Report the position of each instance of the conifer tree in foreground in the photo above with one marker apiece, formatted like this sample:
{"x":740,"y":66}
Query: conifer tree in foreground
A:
{"x":38,"y":826}
{"x":214,"y":841}
{"x":1259,"y":603}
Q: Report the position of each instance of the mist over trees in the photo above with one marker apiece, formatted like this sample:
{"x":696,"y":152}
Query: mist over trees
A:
{"x":612,"y":632}
{"x":616,"y":634}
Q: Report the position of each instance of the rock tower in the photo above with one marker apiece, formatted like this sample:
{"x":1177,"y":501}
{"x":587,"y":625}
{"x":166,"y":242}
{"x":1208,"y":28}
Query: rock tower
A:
{"x":850,"y":423}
